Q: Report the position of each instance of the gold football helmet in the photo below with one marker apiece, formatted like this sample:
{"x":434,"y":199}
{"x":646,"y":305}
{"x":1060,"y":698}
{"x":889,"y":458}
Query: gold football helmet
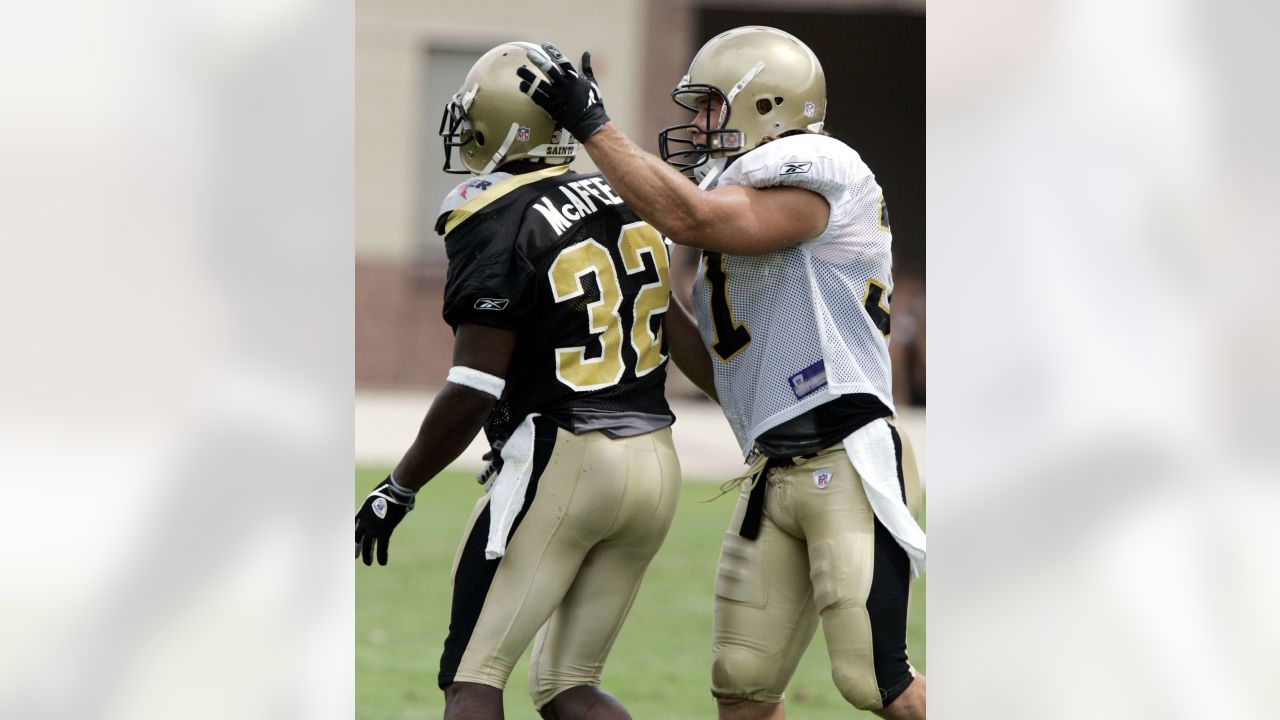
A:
{"x":490,"y":122}
{"x":763,"y":81}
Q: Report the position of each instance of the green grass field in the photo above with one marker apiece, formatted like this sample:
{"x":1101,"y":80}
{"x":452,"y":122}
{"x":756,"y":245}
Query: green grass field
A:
{"x":660,"y":665}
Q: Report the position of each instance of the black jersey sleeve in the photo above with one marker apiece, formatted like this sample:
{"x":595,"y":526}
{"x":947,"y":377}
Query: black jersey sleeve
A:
{"x":489,"y":275}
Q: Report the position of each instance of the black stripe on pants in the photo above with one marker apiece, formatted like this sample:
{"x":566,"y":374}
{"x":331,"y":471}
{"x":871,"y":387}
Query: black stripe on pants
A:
{"x":475,"y":573}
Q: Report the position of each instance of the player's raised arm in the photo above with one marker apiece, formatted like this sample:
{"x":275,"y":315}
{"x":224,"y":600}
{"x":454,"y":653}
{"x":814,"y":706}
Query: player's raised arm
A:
{"x":792,"y":304}
{"x":738,"y":220}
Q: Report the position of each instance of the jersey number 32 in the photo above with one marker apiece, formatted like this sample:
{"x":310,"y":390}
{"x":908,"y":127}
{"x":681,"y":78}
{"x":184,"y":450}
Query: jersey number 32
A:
{"x":573,"y":367}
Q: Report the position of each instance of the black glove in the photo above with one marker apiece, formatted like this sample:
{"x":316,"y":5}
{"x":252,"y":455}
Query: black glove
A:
{"x":571,"y":98}
{"x":381,"y":512}
{"x":492,"y":465}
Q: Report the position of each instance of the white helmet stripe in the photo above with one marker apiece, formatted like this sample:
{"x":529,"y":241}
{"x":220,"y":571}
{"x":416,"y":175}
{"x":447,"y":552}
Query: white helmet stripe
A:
{"x":537,"y":56}
{"x":751,"y":75}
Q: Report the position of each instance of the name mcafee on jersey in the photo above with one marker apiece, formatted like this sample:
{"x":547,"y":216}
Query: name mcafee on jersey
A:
{"x":583,"y":195}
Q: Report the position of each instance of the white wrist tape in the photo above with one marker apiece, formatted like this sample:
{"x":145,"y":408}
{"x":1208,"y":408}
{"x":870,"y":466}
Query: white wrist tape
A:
{"x":400,"y":488}
{"x":476,"y":380}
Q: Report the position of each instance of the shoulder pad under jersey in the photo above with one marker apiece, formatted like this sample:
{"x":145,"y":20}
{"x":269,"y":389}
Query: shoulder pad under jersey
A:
{"x":466,"y":190}
{"x":814,"y":162}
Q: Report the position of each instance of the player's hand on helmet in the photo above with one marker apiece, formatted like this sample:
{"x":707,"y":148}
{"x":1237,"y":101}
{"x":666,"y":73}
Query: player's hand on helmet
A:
{"x":571,"y":98}
{"x":380,"y":513}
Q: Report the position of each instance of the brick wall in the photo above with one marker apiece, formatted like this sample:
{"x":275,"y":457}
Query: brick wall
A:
{"x":401,"y":340}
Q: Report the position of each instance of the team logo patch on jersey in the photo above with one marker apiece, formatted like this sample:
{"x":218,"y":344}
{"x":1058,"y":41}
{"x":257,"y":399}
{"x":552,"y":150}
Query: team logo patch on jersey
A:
{"x":380,"y":507}
{"x":491,"y":304}
{"x":809,"y":380}
{"x":795,"y":168}
{"x":522,"y":134}
{"x":822,"y":478}
{"x":470,"y":185}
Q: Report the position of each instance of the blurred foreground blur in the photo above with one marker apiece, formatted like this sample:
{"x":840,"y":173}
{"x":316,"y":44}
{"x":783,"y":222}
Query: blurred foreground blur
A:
{"x":1102,"y":375}
{"x":175,"y":429}
{"x":177,"y":297}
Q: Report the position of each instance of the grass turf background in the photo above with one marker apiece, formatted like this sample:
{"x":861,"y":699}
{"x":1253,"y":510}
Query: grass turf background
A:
{"x":660,"y":665}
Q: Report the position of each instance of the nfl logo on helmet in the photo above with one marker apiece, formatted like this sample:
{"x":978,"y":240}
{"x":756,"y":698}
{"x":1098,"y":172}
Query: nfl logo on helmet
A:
{"x":522,"y":134}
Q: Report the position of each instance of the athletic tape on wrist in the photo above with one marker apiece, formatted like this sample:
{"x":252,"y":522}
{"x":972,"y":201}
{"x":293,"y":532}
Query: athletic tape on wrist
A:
{"x":398,"y":487}
{"x":476,"y":380}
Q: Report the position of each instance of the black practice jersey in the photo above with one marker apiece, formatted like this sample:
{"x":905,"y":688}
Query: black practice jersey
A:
{"x":557,"y":257}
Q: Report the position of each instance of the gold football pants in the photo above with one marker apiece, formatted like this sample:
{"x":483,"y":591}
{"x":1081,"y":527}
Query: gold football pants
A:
{"x":820,"y":556}
{"x":596,"y":512}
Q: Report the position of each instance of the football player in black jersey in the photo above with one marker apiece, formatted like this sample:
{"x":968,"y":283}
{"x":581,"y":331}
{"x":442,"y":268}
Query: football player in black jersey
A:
{"x":556,"y":292}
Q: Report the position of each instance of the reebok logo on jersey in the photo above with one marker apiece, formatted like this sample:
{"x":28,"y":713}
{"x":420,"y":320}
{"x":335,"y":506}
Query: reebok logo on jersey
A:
{"x":491,"y":304}
{"x":795,"y":168}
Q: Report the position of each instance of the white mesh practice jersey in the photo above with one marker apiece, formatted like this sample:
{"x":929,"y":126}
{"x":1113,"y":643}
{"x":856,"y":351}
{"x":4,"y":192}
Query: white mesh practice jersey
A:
{"x":790,"y":329}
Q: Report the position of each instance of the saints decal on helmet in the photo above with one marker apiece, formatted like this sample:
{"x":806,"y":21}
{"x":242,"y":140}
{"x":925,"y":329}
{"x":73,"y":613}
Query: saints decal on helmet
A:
{"x":490,"y":122}
{"x":757,"y":82}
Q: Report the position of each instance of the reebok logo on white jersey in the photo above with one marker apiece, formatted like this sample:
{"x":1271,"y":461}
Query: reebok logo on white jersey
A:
{"x":491,"y":304}
{"x":795,"y":168}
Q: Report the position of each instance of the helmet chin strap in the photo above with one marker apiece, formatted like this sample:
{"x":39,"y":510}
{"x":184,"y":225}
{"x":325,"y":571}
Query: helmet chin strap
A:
{"x":707,"y":172}
{"x":502,"y":149}
{"x":468,"y":97}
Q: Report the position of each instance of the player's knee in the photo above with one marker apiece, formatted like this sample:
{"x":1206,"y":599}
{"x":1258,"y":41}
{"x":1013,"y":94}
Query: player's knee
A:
{"x":556,"y":699}
{"x":738,"y":673}
{"x":858,"y":687}
{"x":468,"y":699}
{"x":544,"y":701}
{"x":582,"y":702}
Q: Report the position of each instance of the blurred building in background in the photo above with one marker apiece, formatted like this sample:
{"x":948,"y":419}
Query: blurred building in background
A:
{"x":411,"y":57}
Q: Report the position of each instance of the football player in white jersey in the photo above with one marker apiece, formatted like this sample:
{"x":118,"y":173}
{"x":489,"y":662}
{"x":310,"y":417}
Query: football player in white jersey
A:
{"x":792,"y":308}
